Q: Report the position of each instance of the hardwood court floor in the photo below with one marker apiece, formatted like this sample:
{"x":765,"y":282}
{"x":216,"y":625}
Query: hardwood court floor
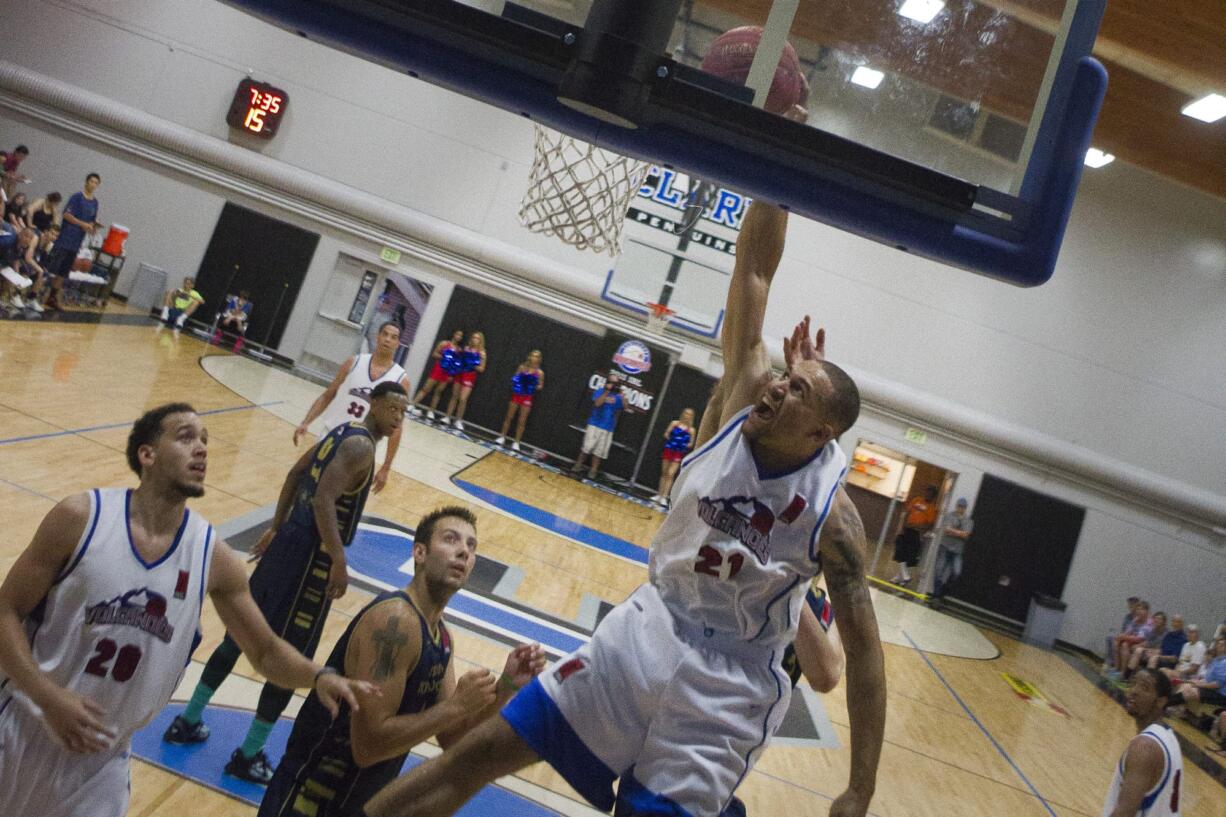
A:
{"x":959,"y":743}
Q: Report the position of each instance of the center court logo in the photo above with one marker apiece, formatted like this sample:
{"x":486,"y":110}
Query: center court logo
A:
{"x":633,"y":357}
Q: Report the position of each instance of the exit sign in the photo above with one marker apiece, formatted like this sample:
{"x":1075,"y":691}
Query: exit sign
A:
{"x":917,"y":436}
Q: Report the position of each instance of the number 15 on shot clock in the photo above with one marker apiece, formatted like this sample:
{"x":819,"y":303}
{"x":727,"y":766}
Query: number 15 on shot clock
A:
{"x":257,"y":108}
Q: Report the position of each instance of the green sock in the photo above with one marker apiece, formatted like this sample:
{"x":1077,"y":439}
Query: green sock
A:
{"x":195,"y":707}
{"x":257,"y":735}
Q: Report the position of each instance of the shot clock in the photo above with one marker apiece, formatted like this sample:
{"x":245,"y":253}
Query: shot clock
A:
{"x":257,"y":108}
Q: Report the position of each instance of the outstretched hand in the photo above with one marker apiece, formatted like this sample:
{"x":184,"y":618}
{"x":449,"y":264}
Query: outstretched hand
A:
{"x":800,"y":346}
{"x":524,"y":663}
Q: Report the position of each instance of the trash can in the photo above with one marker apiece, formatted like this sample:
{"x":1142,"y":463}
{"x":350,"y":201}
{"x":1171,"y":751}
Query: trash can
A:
{"x":148,"y":288}
{"x":1044,"y":620}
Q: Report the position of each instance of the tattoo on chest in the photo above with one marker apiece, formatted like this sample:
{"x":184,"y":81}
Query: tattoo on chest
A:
{"x":388,"y":643}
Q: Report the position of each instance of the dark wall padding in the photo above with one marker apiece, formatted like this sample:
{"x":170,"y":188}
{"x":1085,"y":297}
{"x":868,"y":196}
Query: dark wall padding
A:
{"x":1022,"y":544}
{"x":510,"y":334}
{"x":689,"y":388}
{"x":270,"y":255}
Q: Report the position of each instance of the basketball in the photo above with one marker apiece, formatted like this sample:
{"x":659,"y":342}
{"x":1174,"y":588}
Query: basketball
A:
{"x":731,"y":56}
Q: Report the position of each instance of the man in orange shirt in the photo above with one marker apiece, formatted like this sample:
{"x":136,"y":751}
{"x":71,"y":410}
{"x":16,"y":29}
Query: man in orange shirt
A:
{"x":921,"y":516}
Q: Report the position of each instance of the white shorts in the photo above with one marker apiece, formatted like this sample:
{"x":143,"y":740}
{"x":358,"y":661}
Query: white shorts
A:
{"x":597,"y":441}
{"x":680,"y":724}
{"x":39,"y":777}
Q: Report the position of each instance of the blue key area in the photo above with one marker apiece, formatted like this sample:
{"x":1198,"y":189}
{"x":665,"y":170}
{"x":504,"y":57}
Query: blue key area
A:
{"x":379,"y":555}
{"x":203,"y":763}
{"x":556,"y":524}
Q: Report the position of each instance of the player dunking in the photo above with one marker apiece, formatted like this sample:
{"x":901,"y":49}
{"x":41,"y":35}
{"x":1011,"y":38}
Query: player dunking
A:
{"x":400,"y":644}
{"x":302,"y":568}
{"x":99,"y":617}
{"x":682,"y":684}
{"x":347,"y":398}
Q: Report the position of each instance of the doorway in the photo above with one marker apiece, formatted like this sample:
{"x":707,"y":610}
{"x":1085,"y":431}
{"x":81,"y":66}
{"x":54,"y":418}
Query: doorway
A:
{"x":881,"y":482}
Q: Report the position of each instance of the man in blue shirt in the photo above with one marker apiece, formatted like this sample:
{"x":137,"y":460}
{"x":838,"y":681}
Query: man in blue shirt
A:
{"x":80,"y":218}
{"x":598,"y":436}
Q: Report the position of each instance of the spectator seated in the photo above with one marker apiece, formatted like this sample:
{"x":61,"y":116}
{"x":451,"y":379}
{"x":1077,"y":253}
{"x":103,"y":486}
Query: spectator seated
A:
{"x":233,"y":319}
{"x":179,"y":304}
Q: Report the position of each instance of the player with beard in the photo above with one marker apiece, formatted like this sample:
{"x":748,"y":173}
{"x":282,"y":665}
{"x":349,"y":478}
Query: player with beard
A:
{"x":682,"y":684}
{"x":400,"y":644}
{"x":99,"y":617}
{"x":302,"y":568}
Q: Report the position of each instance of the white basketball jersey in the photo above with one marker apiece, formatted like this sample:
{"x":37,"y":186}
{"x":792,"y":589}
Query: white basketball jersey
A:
{"x":114,"y":628}
{"x":739,"y":545}
{"x":1163,"y":799}
{"x":352,"y":399}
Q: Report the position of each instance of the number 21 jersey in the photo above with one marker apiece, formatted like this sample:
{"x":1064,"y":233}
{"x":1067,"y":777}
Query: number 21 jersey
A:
{"x":740,"y":544}
{"x":115,"y":628}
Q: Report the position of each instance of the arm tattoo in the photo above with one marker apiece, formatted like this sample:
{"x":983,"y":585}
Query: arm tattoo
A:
{"x":846,"y":569}
{"x":388,"y":642}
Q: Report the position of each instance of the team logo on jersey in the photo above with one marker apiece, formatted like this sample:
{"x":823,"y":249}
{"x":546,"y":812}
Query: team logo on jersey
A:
{"x":362,"y":392}
{"x":568,"y":669}
{"x":143,"y":609}
{"x":742,"y":517}
{"x":633,"y":357}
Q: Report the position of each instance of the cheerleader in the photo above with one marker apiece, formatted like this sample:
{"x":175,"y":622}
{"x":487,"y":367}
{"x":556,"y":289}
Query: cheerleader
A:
{"x":529,"y":379}
{"x":678,"y":440}
{"x":473,"y":363}
{"x":448,"y":362}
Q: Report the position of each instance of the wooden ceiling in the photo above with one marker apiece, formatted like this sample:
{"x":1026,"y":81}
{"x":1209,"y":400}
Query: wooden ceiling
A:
{"x":1160,"y":56}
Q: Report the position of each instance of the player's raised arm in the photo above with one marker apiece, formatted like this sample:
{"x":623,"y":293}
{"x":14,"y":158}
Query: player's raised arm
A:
{"x":321,"y":402}
{"x":74,"y":720}
{"x":758,"y":252}
{"x":843,"y":546}
{"x":271,"y":656}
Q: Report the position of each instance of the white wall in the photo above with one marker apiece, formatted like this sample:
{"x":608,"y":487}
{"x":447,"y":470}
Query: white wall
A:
{"x":1121,"y":353}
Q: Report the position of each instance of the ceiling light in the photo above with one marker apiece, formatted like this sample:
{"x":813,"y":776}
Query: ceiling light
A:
{"x":921,"y":11}
{"x":867,"y":77}
{"x":1209,"y":108}
{"x":1097,"y":158}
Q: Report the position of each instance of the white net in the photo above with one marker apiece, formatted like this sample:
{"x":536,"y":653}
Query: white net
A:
{"x":658,"y":317}
{"x":579,"y":193}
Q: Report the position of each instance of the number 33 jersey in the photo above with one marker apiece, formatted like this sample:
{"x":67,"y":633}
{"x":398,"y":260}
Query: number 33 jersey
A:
{"x":115,"y":628}
{"x":739,"y":545}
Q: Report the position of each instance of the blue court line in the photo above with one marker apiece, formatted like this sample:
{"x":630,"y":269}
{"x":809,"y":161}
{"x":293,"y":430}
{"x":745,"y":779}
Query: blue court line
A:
{"x":203,"y":763}
{"x":380,"y":555}
{"x":977,"y":722}
{"x":556,"y":524}
{"x":128,"y":424}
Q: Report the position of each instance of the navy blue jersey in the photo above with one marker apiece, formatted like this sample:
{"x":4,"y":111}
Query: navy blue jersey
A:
{"x":350,"y":504}
{"x":318,"y":776}
{"x":525,"y":383}
{"x":679,"y":439}
{"x":451,"y":360}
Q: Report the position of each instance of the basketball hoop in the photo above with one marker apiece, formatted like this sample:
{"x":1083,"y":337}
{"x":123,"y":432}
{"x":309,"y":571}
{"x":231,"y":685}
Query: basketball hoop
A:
{"x":579,"y":193}
{"x":658,"y":316}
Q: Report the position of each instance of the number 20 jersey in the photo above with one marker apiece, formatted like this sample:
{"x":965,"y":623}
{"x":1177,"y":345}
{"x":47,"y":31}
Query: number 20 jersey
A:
{"x":115,"y":628}
{"x":739,"y":546}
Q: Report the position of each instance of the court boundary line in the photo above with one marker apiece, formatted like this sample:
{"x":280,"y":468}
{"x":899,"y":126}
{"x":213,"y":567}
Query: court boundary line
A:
{"x":995,"y":744}
{"x":66,"y":432}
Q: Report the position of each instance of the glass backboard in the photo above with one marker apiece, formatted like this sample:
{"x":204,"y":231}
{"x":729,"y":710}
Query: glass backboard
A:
{"x":952,"y":129}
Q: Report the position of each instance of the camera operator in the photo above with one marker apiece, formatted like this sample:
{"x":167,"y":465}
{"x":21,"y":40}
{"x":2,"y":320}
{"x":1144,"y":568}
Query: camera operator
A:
{"x":598,"y":436}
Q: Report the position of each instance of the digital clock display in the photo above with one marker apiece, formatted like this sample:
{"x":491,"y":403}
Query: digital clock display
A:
{"x":257,"y":108}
